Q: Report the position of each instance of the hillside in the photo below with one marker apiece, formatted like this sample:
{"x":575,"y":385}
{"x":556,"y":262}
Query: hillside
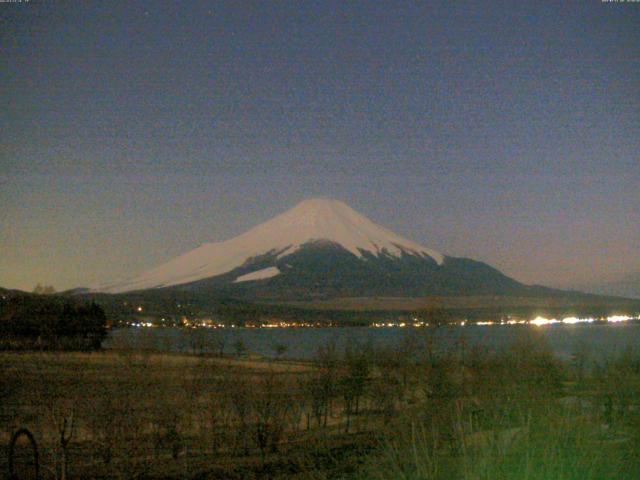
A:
{"x":318,"y":250}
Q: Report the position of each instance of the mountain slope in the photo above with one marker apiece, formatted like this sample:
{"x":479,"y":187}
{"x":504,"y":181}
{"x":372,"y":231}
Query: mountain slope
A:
{"x":310,"y":221}
{"x":318,"y":250}
{"x":626,"y":286}
{"x":321,"y":270}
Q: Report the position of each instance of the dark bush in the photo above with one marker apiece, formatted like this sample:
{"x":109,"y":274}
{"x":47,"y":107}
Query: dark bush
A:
{"x":51,"y":323}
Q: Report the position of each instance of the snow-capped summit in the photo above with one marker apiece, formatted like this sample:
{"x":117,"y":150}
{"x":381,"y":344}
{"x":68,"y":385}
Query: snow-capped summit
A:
{"x":314,"y":220}
{"x":333,"y":220}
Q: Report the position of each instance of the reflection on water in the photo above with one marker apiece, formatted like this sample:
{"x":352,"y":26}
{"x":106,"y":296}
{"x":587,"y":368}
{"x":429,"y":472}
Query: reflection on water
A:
{"x":600,"y":340}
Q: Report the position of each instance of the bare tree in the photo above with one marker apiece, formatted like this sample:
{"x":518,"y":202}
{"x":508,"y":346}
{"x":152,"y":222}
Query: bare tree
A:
{"x":240,"y":348}
{"x":61,"y":414}
{"x":40,"y":289}
{"x":58,"y":405}
{"x":271,"y":407}
{"x":197,"y":340}
{"x":322,"y":383}
{"x":279,"y":349}
{"x":219,"y":340}
{"x":237,"y":389}
{"x":354,"y":379}
{"x":218,"y":415}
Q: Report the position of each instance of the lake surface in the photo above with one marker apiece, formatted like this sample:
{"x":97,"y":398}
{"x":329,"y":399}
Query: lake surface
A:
{"x":599,"y":341}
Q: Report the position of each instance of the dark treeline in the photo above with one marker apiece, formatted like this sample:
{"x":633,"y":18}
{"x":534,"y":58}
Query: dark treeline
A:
{"x":163,"y":303}
{"x":437,"y":311}
{"x":51,"y":322}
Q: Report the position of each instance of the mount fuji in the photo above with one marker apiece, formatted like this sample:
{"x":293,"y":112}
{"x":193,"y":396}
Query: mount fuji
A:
{"x":321,"y":248}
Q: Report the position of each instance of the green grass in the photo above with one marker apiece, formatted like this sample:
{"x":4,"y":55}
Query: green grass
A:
{"x":552,"y":445}
{"x":517,"y":421}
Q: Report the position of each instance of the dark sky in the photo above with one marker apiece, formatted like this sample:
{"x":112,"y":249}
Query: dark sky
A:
{"x":131,"y":132}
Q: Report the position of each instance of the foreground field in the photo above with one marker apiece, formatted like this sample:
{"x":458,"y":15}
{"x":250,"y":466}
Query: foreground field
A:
{"x":141,"y":414}
{"x":363,"y":413}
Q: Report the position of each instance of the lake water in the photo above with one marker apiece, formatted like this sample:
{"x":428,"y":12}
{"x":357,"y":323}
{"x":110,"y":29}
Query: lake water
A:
{"x":598,"y":340}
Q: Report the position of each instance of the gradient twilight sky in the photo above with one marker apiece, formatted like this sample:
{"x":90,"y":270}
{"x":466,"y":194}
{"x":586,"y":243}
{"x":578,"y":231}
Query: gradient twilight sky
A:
{"x":132,"y":132}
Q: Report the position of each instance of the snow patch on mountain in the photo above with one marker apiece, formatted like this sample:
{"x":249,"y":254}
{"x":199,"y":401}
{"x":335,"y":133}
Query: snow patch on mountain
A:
{"x":258,"y":275}
{"x":309,"y":221}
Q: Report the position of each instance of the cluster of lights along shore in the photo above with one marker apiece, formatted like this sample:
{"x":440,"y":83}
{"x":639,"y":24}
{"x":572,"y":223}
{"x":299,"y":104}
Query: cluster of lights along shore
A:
{"x":539,"y":321}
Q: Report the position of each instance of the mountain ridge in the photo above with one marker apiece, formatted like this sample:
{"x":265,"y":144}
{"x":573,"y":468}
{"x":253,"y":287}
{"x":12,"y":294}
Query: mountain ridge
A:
{"x":319,"y":250}
{"x":625,"y":286}
{"x":312,"y":220}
